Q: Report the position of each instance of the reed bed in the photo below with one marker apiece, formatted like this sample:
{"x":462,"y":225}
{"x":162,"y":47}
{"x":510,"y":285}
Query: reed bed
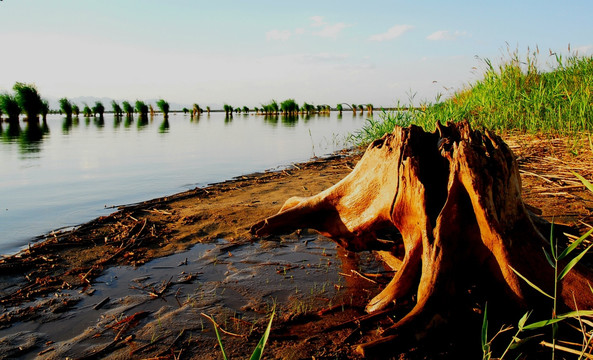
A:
{"x":516,"y":95}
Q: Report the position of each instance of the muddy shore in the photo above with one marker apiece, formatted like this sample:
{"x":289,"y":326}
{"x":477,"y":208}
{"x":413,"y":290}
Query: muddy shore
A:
{"x":136,"y":283}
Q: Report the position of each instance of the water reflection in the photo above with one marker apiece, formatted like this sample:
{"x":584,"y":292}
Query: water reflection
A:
{"x":116,"y":121}
{"x":29,"y":139}
{"x":142,"y":122}
{"x":290,"y":120}
{"x":128,"y":121}
{"x":67,"y":124}
{"x":12,"y":131}
{"x":99,"y":122}
{"x":271,"y":120}
{"x":164,"y":127}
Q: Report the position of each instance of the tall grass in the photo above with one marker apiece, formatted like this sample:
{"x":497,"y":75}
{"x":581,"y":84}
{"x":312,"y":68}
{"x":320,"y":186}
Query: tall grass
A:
{"x":44,"y":109}
{"x":29,"y":100}
{"x":164,"y":107}
{"x":117,"y":111}
{"x":99,"y":108}
{"x":289,"y":106}
{"x":10,"y":107}
{"x":142,"y":109}
{"x":66,"y":107}
{"x":518,"y":95}
{"x":128,"y":108}
{"x":86,"y":111}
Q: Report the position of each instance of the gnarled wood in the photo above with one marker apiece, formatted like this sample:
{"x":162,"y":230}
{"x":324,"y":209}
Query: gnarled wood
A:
{"x":455,"y":197}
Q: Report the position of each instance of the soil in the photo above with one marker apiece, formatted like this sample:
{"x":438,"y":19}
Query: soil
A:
{"x":145,"y":281}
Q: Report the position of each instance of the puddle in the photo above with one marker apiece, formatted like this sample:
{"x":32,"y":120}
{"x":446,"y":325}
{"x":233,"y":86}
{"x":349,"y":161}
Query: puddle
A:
{"x":221,"y":279}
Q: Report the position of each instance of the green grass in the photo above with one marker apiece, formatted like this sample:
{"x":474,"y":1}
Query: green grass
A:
{"x":516,"y":95}
{"x":163,"y":106}
{"x":554,"y":256}
{"x":10,"y":107}
{"x":66,"y":107}
{"x":141,"y":108}
{"x":29,"y":100}
{"x":99,"y":109}
{"x":127,"y":107}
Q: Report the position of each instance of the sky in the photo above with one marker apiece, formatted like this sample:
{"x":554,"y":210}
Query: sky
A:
{"x":247,"y":53}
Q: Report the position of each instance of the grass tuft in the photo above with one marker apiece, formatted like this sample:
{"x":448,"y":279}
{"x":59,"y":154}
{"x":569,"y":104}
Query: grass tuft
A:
{"x":516,"y":95}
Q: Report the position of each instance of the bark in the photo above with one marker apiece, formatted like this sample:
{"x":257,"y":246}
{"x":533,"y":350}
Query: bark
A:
{"x":455,"y":197}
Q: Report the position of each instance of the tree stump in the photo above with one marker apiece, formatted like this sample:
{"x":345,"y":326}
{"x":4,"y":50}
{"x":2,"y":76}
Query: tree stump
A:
{"x":455,"y":197}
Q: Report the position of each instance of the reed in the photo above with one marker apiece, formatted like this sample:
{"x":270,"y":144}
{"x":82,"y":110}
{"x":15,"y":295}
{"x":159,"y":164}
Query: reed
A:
{"x":289,"y":106}
{"x":128,"y":109}
{"x":44,"y":109}
{"x":29,"y":100}
{"x":86,"y":111}
{"x":164,"y":107}
{"x":117,"y":111}
{"x":10,"y":107}
{"x":196,"y":110}
{"x":66,"y":107}
{"x":516,"y":95}
{"x":98,"y":109}
{"x":142,"y":109}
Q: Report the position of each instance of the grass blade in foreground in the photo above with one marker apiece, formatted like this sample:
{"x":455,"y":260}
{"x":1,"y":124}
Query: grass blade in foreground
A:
{"x":259,"y":349}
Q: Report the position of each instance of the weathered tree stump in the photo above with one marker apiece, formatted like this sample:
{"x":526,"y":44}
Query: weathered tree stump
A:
{"x":455,"y":197}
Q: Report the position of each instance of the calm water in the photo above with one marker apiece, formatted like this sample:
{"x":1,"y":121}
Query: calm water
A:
{"x":62,"y":174}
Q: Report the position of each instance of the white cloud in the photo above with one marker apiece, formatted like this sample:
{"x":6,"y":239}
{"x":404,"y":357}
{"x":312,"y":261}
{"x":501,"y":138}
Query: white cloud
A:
{"x":317,"y":21}
{"x":392,"y":33}
{"x":327,"y":30}
{"x":282,"y":35}
{"x":445,"y":35}
{"x":331,"y":31}
{"x":299,"y":31}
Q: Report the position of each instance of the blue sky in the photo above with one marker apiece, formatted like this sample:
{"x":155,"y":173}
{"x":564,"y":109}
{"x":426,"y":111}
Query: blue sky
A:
{"x":249,"y":52}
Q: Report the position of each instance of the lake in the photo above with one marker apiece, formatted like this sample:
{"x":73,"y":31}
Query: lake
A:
{"x":64,"y":173}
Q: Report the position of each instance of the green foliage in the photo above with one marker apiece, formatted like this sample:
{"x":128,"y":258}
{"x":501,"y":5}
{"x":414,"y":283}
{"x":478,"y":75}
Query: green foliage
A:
{"x":164,"y":106}
{"x":245,"y":109}
{"x":75,"y":109}
{"x":271,"y":108}
{"x":86,"y":111}
{"x":10,"y":107}
{"x":44,"y":108}
{"x":308,"y":108}
{"x":29,"y":100}
{"x":116,"y":108}
{"x":141,"y":108}
{"x":289,"y":106}
{"x":66,"y":107}
{"x":375,"y":129}
{"x":98,"y":108}
{"x":517,"y":95}
{"x":128,"y":109}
